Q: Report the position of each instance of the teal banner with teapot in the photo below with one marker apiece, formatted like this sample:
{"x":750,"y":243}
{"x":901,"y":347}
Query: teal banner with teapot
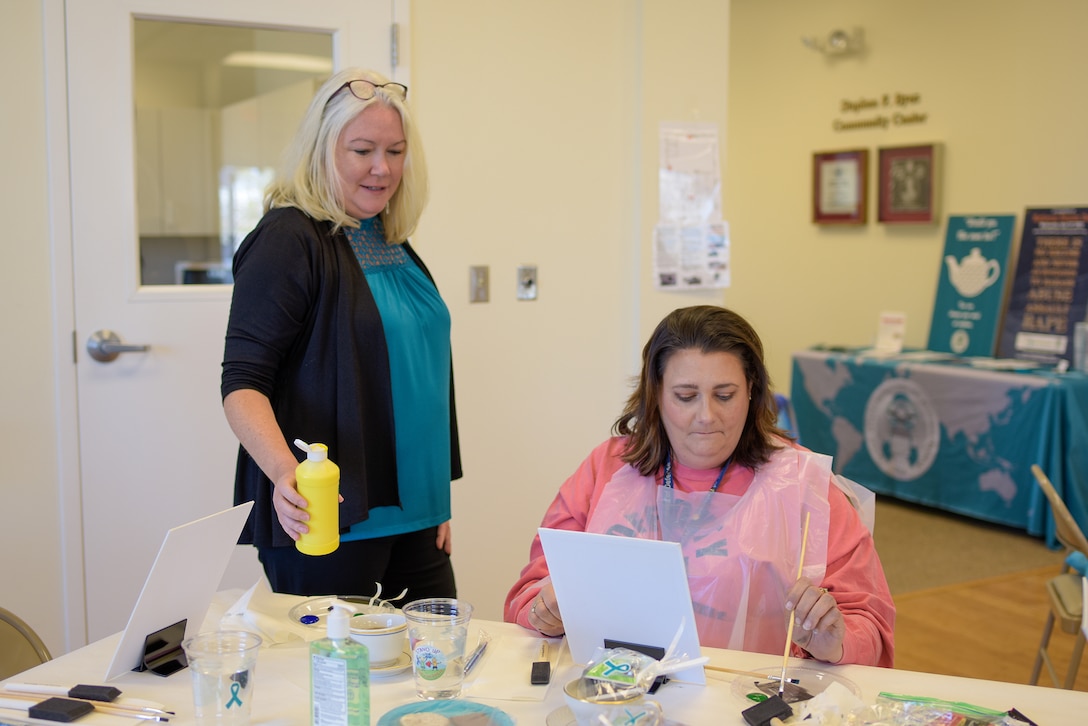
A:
{"x":971,"y":286}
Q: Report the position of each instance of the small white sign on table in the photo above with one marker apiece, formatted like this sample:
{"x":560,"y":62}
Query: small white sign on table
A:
{"x":891,"y":329}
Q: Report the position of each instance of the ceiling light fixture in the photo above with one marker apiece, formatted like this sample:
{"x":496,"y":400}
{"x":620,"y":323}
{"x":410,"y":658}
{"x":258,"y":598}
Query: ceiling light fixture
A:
{"x":279,"y":61}
{"x":837,"y":43}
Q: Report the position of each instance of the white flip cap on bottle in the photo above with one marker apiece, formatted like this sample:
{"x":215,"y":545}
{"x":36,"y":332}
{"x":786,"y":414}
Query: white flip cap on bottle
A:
{"x":338,"y":623}
{"x":314,"y":452}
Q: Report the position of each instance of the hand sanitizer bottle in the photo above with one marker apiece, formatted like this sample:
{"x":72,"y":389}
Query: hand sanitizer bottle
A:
{"x":339,"y":675}
{"x":318,"y":480}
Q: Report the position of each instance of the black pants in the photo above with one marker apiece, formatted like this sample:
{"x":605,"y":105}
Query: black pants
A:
{"x":400,"y":561}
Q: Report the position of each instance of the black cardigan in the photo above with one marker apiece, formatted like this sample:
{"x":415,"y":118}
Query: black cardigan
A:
{"x":305,"y":331}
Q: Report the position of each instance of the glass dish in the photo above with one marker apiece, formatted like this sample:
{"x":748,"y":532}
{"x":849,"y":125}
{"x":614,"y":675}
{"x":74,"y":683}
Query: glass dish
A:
{"x":812,"y":679}
{"x":315,"y":611}
{"x":563,"y":716}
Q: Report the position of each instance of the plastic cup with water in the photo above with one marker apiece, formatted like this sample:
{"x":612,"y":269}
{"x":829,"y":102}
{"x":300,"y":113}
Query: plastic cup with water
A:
{"x":437,"y":632}
{"x":222,"y":664}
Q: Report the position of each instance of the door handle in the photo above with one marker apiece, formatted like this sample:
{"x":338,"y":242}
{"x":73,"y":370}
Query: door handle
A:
{"x":105,"y":346}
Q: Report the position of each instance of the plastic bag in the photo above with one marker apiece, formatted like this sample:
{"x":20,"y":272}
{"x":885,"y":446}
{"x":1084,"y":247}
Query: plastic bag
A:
{"x":620,"y":669}
{"x":623,"y":668}
{"x":893,"y":709}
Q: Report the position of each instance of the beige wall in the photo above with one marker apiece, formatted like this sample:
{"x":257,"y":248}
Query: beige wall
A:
{"x":1002,"y":88}
{"x":527,"y":119}
{"x":31,"y":535}
{"x":541,"y":123}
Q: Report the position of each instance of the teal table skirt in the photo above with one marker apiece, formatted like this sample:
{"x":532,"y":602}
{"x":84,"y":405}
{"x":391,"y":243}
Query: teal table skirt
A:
{"x":949,"y":435}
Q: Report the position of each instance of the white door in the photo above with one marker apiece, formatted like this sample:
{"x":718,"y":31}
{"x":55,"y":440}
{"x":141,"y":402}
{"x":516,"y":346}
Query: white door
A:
{"x":155,"y":450}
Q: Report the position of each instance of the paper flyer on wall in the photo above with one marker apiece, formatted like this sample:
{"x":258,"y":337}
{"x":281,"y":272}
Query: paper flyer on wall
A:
{"x":689,"y":174}
{"x":1050,"y":289}
{"x":971,"y":285}
{"x":691,"y":241}
{"x":691,"y":257}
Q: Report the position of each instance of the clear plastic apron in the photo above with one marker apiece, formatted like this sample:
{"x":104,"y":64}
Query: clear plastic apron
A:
{"x":740,"y":551}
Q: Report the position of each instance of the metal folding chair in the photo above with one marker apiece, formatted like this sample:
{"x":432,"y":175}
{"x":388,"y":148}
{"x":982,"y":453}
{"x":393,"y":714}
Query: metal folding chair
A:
{"x":20,"y":646}
{"x":1064,"y":591}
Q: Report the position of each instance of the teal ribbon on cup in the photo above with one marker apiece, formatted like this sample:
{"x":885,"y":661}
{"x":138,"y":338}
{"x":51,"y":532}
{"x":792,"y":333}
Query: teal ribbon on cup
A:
{"x":234,"y":688}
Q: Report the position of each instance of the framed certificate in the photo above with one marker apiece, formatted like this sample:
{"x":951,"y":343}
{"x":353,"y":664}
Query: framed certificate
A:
{"x":839,"y":184}
{"x":907,"y":183}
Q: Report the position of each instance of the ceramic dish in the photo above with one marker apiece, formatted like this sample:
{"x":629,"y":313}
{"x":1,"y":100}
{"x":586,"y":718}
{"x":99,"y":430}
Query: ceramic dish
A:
{"x":451,"y":710}
{"x":384,"y":635}
{"x":400,"y":665}
{"x":813,"y":680}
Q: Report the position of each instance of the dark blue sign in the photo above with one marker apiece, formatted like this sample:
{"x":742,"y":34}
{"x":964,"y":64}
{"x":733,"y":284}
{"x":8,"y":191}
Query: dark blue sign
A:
{"x":1050,"y":290}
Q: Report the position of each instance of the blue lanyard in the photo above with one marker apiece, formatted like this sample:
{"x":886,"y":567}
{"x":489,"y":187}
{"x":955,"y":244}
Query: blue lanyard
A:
{"x":667,"y":481}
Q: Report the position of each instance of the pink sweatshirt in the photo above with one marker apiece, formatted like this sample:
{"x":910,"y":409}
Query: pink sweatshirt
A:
{"x":854,"y":574}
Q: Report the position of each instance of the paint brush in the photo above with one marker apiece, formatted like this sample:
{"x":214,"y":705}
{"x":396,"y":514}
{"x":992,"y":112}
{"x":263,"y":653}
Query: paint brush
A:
{"x":21,"y":702}
{"x":89,"y":693}
{"x":793,"y":613}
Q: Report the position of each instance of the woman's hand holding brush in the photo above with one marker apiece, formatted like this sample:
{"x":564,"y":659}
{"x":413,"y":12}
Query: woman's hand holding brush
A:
{"x":819,"y":627}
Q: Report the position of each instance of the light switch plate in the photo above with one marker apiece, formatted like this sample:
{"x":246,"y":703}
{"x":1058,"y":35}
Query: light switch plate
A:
{"x":477,"y":283}
{"x":527,"y":282}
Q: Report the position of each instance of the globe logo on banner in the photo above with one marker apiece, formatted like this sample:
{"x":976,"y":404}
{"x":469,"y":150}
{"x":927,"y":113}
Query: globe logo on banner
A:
{"x":902,"y":433}
{"x":959,"y":341}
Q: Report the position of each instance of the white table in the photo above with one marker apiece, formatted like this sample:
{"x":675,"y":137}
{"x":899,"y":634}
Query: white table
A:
{"x":282,"y":684}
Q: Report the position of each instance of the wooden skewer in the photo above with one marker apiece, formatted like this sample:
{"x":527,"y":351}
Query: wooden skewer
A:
{"x":793,"y":613}
{"x":752,"y":674}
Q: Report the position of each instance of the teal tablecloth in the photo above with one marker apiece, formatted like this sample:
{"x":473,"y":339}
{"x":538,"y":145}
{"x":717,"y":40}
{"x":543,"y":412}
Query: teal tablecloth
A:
{"x":949,"y":435}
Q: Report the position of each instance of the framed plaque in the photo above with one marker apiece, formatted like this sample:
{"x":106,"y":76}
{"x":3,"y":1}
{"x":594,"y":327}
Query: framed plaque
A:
{"x":839,"y":184}
{"x":907,"y":183}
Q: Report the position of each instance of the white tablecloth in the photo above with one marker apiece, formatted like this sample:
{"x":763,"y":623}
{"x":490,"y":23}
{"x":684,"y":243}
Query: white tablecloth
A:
{"x":282,"y":681}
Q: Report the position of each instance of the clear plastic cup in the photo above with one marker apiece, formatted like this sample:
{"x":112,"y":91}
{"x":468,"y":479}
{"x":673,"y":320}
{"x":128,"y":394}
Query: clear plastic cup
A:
{"x":1080,"y":347}
{"x":437,"y":632}
{"x":222,"y":664}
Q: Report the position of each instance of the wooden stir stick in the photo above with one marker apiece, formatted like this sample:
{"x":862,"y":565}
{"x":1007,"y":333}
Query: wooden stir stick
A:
{"x":751,"y":674}
{"x":793,"y":613}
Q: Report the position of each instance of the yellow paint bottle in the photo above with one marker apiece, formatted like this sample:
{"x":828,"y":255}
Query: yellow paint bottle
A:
{"x":318,"y":481}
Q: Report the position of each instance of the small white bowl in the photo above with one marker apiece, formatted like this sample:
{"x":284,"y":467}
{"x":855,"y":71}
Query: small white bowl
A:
{"x":383,"y":634}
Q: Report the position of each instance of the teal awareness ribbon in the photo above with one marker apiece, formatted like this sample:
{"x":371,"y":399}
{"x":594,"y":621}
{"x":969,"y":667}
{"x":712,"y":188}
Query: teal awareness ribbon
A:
{"x":234,"y":688}
{"x":612,"y":667}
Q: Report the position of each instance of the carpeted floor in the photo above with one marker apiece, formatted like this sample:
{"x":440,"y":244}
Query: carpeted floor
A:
{"x":923,"y":548}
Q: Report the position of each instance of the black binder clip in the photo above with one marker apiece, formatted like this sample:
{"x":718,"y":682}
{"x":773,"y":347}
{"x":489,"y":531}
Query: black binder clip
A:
{"x":163,"y":654}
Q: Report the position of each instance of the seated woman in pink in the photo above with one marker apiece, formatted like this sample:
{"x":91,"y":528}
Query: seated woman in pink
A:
{"x":697,"y":459}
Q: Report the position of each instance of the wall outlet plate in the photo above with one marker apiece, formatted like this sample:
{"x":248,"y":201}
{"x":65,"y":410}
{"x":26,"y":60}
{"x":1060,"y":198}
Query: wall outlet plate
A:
{"x":527,"y":282}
